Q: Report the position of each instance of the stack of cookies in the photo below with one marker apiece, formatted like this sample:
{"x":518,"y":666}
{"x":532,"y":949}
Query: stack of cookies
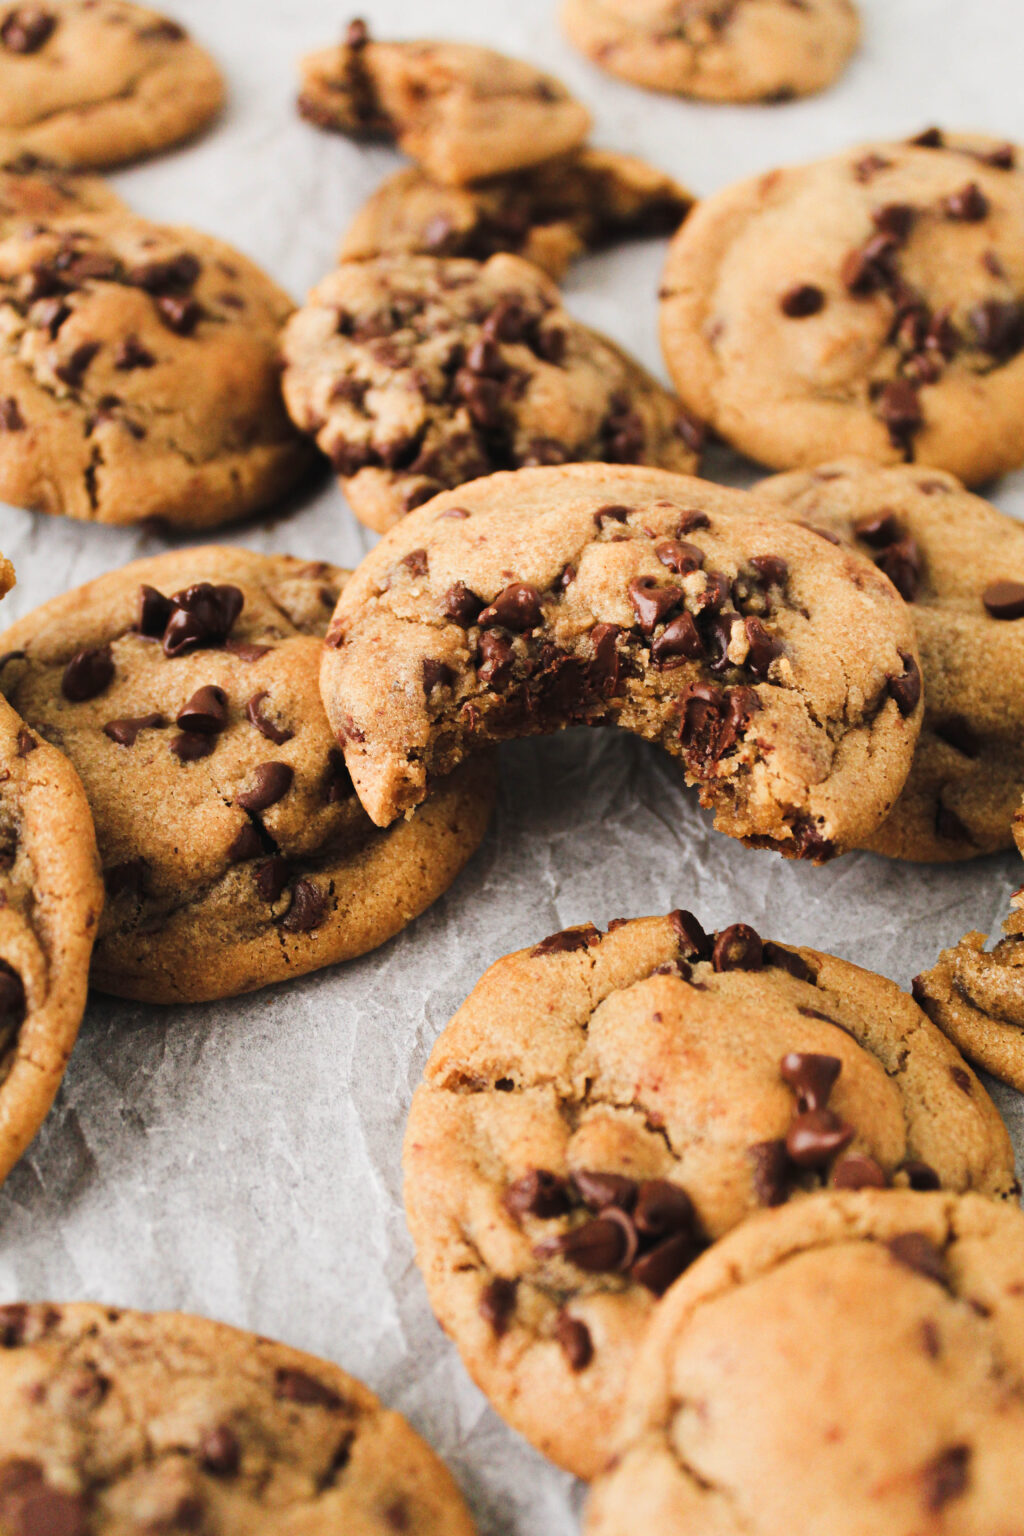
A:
{"x":725,"y":1226}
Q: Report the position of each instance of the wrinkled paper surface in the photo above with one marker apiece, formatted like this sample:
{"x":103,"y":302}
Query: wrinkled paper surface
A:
{"x":242,"y":1159}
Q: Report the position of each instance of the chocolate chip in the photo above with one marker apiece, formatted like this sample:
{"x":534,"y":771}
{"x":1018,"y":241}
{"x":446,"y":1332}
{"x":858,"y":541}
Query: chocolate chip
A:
{"x":600,"y":1190}
{"x":267,"y":728}
{"x":517,"y":608}
{"x":12,"y":998}
{"x":200,"y":616}
{"x":899,"y":408}
{"x":895,"y":219}
{"x":652,"y":603}
{"x":220,"y":1452}
{"x":764,"y":647}
{"x":816,"y":1136}
{"x":999,"y":328}
{"x":916,"y":1251}
{"x":308,"y":908}
{"x":969,"y":204}
{"x":737,"y":948}
{"x":178,"y":274}
{"x":662,"y":1208}
{"x":771,"y":1171}
{"x":657,"y":1269}
{"x":26,"y":742}
{"x":27,"y":29}
{"x":679,"y":556}
{"x":271,"y":878}
{"x":72,"y":371}
{"x":901,"y":562}
{"x":128,"y":878}
{"x":538,"y":1193}
{"x":125,"y":732}
{"x":870,"y":267}
{"x":461,"y":605}
{"x":772,"y":569}
{"x":247,"y":652}
{"x":496,"y":660}
{"x":13,"y":1325}
{"x":11,"y":419}
{"x":786,"y":960}
{"x":574,"y":1337}
{"x":906,"y":687}
{"x":415,"y":562}
{"x":154,"y":612}
{"x":679,"y":641}
{"x":694,"y":943}
{"x":130,"y":354}
{"x":1004,"y":599}
{"x":497,"y":1303}
{"x":962,"y":1079}
{"x":87,"y":675}
{"x":293,"y":1386}
{"x":272,"y":783}
{"x":879,"y":529}
{"x":692,"y":519}
{"x":247,"y":844}
{"x":811,"y":1077}
{"x":803,"y":300}
{"x":946,"y":1476}
{"x":206,"y":712}
{"x":930,"y":138}
{"x":190,"y":746}
{"x":859,"y":1172}
{"x":568,"y":940}
{"x":598,"y":1247}
{"x":179,"y":313}
{"x":29,"y":1506}
{"x":920,"y":1176}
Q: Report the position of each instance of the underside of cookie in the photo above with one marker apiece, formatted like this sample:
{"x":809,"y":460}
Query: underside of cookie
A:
{"x":859,"y":1355}
{"x":139,"y":375}
{"x":718,"y":50}
{"x":463,"y":112}
{"x":976,"y":997}
{"x":959,"y":564}
{"x":235,"y":853}
{"x":139,"y":1421}
{"x":416,"y":374}
{"x":548,"y":214}
{"x":96,"y":83}
{"x":870,"y":304}
{"x":559,"y":1171}
{"x":778,"y":669}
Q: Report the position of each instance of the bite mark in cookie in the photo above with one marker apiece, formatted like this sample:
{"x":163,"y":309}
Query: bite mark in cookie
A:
{"x":559,"y":1173}
{"x":779,"y":670}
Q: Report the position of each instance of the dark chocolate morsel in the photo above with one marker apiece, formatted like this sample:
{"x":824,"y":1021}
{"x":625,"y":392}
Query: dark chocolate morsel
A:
{"x":275,"y":733}
{"x":206,"y":711}
{"x":737,"y":948}
{"x":916,"y":1251}
{"x":272,"y":783}
{"x":87,"y":674}
{"x":811,"y":1077}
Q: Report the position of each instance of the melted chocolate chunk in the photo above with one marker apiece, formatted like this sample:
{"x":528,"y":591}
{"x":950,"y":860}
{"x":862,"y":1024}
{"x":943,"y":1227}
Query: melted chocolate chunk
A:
{"x":906,"y":687}
{"x":308,"y":908}
{"x":125,"y":732}
{"x":651,"y":602}
{"x":771,"y":1168}
{"x":497,"y":1303}
{"x":461,"y":605}
{"x":517,"y":608}
{"x":574,"y":1337}
{"x":292,"y":1386}
{"x":538,"y":1193}
{"x":568,"y":940}
{"x":737,"y":948}
{"x":200,"y":617}
{"x":275,"y":733}
{"x":916,"y":1251}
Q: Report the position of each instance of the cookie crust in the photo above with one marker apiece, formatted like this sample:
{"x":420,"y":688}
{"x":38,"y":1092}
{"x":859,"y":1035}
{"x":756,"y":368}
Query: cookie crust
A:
{"x":976,"y":997}
{"x":575,"y":1088}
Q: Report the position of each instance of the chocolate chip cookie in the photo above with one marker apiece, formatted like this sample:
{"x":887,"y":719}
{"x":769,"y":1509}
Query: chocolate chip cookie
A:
{"x":959,"y":563}
{"x":101,"y":82}
{"x":33,"y":189}
{"x":548,"y":214}
{"x":235,"y":852}
{"x":50,"y":903}
{"x":871,"y":303}
{"x":719,"y":50}
{"x":779,"y":669}
{"x":139,"y":375}
{"x":114,"y":1421}
{"x":462,"y":112}
{"x":853,"y":1363}
{"x":417,"y":373}
{"x":976,"y":997}
{"x":604,"y":1107}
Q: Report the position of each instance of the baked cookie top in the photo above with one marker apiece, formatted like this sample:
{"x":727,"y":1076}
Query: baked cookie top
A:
{"x":871,"y":303}
{"x":860,"y":1356}
{"x":959,"y":563}
{"x":235,"y":853}
{"x":778,"y":668}
{"x":139,"y":375}
{"x":417,"y":373}
{"x":548,"y":214}
{"x":34,"y":189}
{"x":114,"y":1421}
{"x":603,"y":1107}
{"x":976,"y":997}
{"x":719,"y":50}
{"x":50,"y":903}
{"x":461,"y":111}
{"x":101,"y":82}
